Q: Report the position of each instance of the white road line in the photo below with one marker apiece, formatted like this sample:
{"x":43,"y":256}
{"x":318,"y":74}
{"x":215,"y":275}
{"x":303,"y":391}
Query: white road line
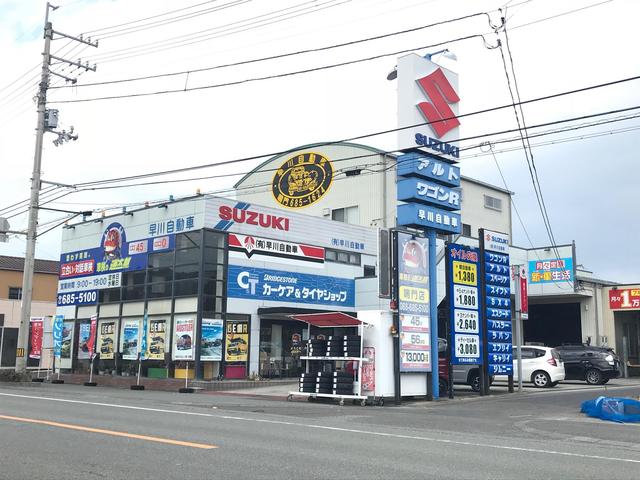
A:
{"x":335,"y":429}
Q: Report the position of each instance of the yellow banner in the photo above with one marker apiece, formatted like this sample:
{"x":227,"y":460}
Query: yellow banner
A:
{"x":465,"y":273}
{"x":414,"y":294}
{"x":236,"y":342}
{"x":106,"y":339}
{"x":156,"y":337}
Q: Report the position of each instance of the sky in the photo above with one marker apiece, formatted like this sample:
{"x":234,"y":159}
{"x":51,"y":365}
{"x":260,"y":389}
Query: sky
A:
{"x":587,"y":175}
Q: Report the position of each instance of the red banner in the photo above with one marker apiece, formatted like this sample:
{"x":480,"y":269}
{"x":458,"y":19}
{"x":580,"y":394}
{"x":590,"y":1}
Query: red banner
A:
{"x":37,"y":328}
{"x":91,"y":342}
{"x":524,"y":297}
{"x":624,"y":299}
{"x":369,"y":370}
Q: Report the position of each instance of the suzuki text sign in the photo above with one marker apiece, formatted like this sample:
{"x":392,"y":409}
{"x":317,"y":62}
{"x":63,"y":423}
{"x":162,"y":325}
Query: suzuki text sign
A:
{"x":428,"y":107}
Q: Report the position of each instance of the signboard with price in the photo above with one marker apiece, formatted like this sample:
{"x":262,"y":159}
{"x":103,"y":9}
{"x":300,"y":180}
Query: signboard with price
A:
{"x":413,"y":303}
{"x":497,"y":303}
{"x":624,"y":299}
{"x":462,"y":285}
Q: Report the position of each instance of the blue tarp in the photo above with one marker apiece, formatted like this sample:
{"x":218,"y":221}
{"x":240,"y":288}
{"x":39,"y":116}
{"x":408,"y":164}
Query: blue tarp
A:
{"x":613,"y":409}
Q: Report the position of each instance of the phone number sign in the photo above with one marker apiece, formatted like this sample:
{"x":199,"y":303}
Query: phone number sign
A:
{"x":462,"y":285}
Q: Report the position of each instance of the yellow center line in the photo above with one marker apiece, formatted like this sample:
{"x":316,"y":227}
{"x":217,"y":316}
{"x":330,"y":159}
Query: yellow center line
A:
{"x":110,"y":432}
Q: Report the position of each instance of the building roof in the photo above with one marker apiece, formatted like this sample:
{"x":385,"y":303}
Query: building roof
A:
{"x":17,"y":264}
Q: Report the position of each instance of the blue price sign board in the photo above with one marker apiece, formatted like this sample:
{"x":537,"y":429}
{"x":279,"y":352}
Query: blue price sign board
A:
{"x":497,"y":302}
{"x":464,"y":304}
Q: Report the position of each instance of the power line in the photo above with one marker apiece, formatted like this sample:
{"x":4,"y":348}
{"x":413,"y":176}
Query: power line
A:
{"x":282,"y":55}
{"x":160,"y":23}
{"x":93,"y":32}
{"x":92,"y":186}
{"x":232,"y":28}
{"x":268,"y":77}
{"x":219,"y":31}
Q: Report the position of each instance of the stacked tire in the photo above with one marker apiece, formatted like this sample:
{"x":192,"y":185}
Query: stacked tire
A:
{"x":333,"y":383}
{"x":344,"y":346}
{"x":317,"y":348}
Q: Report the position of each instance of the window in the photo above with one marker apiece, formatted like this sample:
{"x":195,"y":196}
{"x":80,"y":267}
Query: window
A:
{"x":341,"y":257}
{"x":493,"y":203}
{"x":346,"y":215}
{"x":369,"y":271}
{"x":188,"y":240}
{"x":191,"y":255}
{"x":466,"y":230}
{"x":15,"y":293}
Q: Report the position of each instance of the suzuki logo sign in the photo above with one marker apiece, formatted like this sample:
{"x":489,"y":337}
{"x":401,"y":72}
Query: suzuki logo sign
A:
{"x":438,"y":113}
{"x":428,"y":102}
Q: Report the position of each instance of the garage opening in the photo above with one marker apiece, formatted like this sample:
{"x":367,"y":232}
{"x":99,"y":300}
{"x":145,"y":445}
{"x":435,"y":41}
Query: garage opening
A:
{"x":553,"y":324}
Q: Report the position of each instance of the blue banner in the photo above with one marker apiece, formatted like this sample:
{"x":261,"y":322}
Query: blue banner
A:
{"x":429,"y":193}
{"x":497,"y":302}
{"x":58,"y":322}
{"x":550,"y":271}
{"x":424,"y":166}
{"x":281,"y":286}
{"x":423,"y":216}
{"x":143,"y":341}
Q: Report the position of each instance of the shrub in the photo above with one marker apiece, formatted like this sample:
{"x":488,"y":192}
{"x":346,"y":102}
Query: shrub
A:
{"x":13,"y":376}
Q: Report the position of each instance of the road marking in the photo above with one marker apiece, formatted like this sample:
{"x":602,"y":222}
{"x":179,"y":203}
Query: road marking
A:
{"x":109,"y":432}
{"x":340,"y":429}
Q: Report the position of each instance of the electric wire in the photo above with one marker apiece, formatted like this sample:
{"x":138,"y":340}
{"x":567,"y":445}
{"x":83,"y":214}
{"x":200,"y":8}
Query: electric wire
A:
{"x":89,"y":187}
{"x":105,"y":58}
{"x":283,"y":55}
{"x":93,"y":32}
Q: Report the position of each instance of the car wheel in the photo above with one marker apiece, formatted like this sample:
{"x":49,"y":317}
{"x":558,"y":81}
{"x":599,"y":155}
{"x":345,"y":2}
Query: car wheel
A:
{"x":593,"y":377}
{"x":541,"y":379}
{"x":474,"y":381}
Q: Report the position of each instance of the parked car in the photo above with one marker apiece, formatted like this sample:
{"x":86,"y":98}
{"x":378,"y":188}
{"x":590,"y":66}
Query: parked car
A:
{"x":595,"y":365}
{"x":541,"y":366}
{"x":462,"y":374}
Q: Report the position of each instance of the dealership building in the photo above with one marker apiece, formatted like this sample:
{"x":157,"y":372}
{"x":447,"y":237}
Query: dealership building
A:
{"x":212,"y":282}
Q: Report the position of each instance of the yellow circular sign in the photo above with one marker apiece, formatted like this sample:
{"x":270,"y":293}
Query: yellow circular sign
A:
{"x":302,"y":180}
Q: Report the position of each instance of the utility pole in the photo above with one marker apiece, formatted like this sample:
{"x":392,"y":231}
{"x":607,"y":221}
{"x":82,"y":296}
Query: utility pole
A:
{"x":42,"y":127}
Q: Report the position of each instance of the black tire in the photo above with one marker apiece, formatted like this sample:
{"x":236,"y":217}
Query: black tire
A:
{"x":474,"y":380}
{"x":541,"y":379}
{"x":553,"y":384}
{"x":593,"y":377}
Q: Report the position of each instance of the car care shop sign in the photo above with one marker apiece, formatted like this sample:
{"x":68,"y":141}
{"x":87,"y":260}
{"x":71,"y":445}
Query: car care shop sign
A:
{"x":464,"y":304}
{"x":302,"y":180}
{"x":183,"y":335}
{"x":413,"y":303}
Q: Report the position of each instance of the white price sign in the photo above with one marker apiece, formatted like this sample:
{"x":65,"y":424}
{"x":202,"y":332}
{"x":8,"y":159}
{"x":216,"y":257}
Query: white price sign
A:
{"x":465,"y":297}
{"x":466,"y":321}
{"x":410,"y":340}
{"x":467,"y":346}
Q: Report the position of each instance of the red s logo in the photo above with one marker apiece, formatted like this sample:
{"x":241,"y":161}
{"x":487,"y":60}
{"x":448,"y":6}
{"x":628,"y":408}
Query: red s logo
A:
{"x":438,"y":113}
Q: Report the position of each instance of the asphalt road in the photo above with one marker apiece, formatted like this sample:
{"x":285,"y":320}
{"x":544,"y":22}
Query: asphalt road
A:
{"x":73,"y":432}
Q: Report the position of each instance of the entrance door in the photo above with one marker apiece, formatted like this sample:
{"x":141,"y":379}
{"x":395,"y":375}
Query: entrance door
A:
{"x":281,"y":347}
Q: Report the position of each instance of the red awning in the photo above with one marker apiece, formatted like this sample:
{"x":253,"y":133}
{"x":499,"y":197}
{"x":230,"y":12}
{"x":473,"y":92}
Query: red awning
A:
{"x":329,"y":319}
